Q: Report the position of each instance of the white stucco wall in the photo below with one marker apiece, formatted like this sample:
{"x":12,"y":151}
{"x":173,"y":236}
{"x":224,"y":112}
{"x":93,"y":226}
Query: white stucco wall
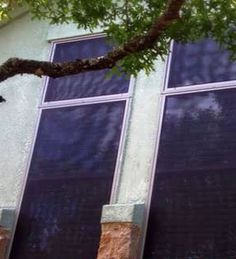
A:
{"x":20,"y":38}
{"x":136,"y":170}
{"x":29,"y":39}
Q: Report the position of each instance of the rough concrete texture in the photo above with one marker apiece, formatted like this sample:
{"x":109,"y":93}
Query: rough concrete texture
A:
{"x":123,"y":213}
{"x":119,"y":241}
{"x":21,"y":38}
{"x":136,"y":169}
{"x":7,"y":217}
{"x":4,"y":241}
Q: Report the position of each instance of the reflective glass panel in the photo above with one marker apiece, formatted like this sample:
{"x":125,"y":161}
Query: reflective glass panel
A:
{"x":69,"y":181}
{"x":89,"y":84}
{"x":194,"y":196}
{"x":200,"y":63}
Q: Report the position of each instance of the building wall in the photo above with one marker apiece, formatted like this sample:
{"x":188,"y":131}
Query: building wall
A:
{"x":19,"y":38}
{"x":138,"y":157}
{"x":30,"y":39}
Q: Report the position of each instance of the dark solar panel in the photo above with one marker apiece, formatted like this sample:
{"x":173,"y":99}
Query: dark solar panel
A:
{"x":194,"y":197}
{"x":89,"y":84}
{"x":69,"y":181}
{"x":200,"y":63}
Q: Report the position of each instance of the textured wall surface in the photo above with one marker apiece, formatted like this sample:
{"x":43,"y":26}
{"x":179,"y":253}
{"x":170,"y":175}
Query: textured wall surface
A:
{"x":67,"y":30}
{"x":26,"y":39}
{"x":141,"y":137}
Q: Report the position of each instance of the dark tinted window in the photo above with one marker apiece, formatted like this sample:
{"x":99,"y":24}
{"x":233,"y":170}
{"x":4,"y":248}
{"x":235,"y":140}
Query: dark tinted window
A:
{"x":89,"y":84}
{"x":69,"y":181}
{"x":194,"y":197}
{"x":200,"y":63}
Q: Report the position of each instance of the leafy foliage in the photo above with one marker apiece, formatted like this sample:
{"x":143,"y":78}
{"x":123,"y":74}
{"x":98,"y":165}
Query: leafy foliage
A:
{"x":123,"y":20}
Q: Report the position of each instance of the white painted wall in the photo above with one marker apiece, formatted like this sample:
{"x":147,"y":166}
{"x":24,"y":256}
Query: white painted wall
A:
{"x":20,"y":38}
{"x":29,"y":39}
{"x":141,"y":137}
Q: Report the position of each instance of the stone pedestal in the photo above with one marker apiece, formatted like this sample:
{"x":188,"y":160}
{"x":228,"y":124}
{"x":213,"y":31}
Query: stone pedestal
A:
{"x":4,"y":241}
{"x":119,"y":241}
{"x":121,"y":231}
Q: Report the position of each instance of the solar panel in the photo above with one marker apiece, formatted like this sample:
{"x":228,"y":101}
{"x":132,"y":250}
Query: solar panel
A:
{"x":193,"y":203}
{"x":70,"y":179}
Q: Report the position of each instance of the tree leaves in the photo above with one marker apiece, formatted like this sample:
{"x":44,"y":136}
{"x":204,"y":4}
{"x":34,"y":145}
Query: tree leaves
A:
{"x":127,"y":19}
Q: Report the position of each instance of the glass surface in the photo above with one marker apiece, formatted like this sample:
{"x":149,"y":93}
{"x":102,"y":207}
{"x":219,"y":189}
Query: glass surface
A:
{"x":69,"y":181}
{"x":194,"y":196}
{"x":94,"y":83}
{"x":200,"y":63}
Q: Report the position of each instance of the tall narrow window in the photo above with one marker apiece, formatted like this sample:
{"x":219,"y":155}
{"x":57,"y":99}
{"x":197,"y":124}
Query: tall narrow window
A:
{"x":73,"y":161}
{"x":193,"y":205}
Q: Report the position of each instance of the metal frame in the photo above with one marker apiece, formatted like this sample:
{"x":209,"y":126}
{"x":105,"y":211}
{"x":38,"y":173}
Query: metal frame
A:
{"x":77,"y":102}
{"x":200,"y":88}
{"x":85,"y":101}
{"x":123,"y":135}
{"x":167,"y":67}
{"x":165,"y":92}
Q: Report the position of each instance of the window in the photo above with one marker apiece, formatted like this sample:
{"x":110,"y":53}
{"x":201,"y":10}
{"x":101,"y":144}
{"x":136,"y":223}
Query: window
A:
{"x":89,"y":84}
{"x":200,"y":63}
{"x":74,"y":160}
{"x":193,"y":205}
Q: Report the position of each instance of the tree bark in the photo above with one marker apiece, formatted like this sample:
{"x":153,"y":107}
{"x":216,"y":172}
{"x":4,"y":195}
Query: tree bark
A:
{"x":15,"y":66}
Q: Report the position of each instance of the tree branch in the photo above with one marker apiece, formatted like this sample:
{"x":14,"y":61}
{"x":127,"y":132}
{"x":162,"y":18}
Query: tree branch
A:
{"x":15,"y":66}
